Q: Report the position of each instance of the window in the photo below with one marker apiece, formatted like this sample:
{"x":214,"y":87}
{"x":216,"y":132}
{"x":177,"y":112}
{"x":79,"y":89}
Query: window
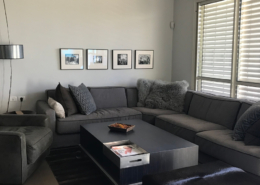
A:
{"x":228,"y":48}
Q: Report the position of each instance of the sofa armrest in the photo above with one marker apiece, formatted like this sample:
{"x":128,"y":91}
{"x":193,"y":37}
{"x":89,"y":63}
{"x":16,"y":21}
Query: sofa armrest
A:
{"x":13,"y":158}
{"x":42,"y":107}
{"x":24,"y":120}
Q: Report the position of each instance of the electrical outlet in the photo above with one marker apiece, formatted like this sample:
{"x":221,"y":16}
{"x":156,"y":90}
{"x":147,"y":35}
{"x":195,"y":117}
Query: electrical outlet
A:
{"x":19,"y":98}
{"x":13,"y":98}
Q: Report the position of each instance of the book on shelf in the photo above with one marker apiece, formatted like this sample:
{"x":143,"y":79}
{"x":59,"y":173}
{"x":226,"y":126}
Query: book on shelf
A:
{"x":126,"y":150}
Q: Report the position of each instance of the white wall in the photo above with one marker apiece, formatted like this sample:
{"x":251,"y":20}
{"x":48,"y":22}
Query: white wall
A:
{"x":45,"y":26}
{"x":183,"y":41}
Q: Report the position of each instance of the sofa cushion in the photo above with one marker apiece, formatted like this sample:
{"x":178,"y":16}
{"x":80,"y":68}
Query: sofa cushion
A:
{"x":252,"y":136}
{"x":187,"y":101}
{"x":38,"y":140}
{"x":50,"y":93}
{"x":64,"y":97}
{"x":109,"y":97}
{"x":132,"y":96}
{"x":71,"y":125}
{"x":184,"y":125}
{"x":219,"y":110}
{"x":149,"y":115}
{"x":219,"y":144}
{"x":83,"y":99}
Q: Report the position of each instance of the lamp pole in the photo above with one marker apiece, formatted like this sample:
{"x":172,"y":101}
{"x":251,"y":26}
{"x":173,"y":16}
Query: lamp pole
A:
{"x":10,"y":52}
{"x":11,"y":66}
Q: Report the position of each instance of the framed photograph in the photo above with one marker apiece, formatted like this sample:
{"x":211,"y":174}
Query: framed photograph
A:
{"x":71,"y":59}
{"x":122,"y":59}
{"x":144,"y":59}
{"x":97,"y":59}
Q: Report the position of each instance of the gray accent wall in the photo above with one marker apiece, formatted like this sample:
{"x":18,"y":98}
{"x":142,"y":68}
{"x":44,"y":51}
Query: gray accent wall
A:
{"x":45,"y":26}
{"x":183,"y":41}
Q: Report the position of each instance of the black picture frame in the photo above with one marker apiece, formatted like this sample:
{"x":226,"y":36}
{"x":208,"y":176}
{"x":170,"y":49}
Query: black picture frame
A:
{"x":121,"y":51}
{"x":73,"y":52}
{"x":144,"y":52}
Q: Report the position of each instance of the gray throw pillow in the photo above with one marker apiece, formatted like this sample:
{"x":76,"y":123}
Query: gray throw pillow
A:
{"x":83,"y":98}
{"x":167,"y":95}
{"x":250,"y":116}
{"x":144,"y":87}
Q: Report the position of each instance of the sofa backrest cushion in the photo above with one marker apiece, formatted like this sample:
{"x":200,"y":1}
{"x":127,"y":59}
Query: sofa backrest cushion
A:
{"x":243,"y":108}
{"x":214,"y":109}
{"x":132,"y":96}
{"x":109,"y":97}
{"x":51,"y":94}
{"x":187,"y":101}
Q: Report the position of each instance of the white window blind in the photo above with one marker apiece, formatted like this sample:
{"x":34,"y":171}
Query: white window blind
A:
{"x":249,"y":42}
{"x":214,"y":46}
{"x":228,"y":48}
{"x":217,"y":88}
{"x":248,"y":92}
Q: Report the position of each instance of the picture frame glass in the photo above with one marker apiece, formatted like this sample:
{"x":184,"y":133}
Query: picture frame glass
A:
{"x":122,"y":59}
{"x":71,"y":58}
{"x":144,"y":59}
{"x":97,"y":59}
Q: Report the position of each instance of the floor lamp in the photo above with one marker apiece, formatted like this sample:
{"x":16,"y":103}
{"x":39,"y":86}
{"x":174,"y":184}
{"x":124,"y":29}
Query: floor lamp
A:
{"x":10,"y":52}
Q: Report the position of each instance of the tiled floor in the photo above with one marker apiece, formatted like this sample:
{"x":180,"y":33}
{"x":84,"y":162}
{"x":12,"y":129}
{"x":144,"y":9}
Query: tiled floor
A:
{"x":42,"y":176}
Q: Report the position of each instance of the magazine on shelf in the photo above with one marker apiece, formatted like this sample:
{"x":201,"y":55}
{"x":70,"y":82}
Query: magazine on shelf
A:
{"x":126,"y":150}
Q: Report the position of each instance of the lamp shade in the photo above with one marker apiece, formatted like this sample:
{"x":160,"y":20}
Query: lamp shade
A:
{"x":11,"y":52}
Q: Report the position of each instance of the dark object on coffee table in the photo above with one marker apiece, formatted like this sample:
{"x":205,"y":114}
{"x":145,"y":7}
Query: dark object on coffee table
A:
{"x":120,"y":127}
{"x":210,"y":173}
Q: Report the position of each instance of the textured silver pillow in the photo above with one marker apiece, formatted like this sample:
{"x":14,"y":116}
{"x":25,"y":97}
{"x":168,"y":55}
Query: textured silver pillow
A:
{"x":83,"y":99}
{"x":167,"y":95}
{"x":144,"y":87}
{"x":250,"y":116}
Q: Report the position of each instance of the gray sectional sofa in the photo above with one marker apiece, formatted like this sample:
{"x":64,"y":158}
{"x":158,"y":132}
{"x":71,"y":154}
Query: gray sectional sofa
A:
{"x":206,"y":120}
{"x":112,"y":105}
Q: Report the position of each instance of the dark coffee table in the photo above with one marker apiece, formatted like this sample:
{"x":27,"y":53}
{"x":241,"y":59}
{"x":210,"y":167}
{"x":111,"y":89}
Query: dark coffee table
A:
{"x":167,"y":151}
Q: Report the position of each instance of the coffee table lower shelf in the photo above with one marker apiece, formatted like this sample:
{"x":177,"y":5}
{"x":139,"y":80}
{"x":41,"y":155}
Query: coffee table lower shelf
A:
{"x":100,"y":166}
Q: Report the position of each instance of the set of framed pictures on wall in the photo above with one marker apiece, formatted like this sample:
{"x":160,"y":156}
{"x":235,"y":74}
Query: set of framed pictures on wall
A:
{"x":98,"y":59}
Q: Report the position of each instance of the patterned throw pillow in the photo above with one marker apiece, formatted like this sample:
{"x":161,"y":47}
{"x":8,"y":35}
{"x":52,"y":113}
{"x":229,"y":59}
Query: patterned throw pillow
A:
{"x":252,"y":136}
{"x":250,"y":117}
{"x":83,"y":98}
{"x":57,"y":107}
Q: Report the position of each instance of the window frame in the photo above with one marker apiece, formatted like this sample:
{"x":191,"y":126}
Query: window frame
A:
{"x":234,"y":82}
